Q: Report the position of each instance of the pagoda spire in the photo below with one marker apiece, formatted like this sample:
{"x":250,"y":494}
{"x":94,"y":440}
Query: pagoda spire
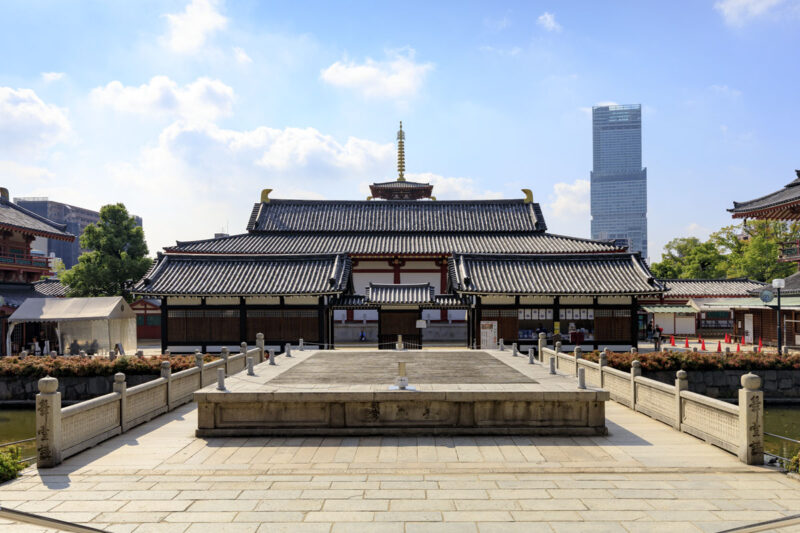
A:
{"x":401,"y":154}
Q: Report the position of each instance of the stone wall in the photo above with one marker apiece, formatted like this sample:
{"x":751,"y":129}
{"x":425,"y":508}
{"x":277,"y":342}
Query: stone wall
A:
{"x":72,"y":389}
{"x":725,"y":383}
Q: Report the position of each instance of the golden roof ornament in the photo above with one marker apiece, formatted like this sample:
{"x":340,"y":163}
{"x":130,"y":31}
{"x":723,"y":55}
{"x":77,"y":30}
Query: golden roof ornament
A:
{"x":401,"y":154}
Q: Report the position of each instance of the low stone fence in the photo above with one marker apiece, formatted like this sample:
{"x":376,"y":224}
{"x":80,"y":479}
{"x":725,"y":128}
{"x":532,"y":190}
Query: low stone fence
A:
{"x":777,"y":384}
{"x":63,"y":432}
{"x":736,"y":429}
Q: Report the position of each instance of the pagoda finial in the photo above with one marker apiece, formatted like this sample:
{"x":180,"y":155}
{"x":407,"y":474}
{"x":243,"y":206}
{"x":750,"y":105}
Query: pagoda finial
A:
{"x":401,"y":154}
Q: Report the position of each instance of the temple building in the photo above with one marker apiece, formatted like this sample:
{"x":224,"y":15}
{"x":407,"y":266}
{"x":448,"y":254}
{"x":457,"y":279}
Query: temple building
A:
{"x":465,"y":272}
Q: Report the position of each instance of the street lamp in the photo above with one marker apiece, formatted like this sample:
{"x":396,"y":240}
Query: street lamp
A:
{"x":779,"y":284}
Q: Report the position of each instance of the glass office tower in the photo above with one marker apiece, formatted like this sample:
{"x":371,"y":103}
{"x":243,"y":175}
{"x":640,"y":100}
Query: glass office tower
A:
{"x":618,"y":180}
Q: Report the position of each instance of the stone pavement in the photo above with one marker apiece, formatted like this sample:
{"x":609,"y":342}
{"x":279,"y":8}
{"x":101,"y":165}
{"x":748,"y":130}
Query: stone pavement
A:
{"x":642,"y":476}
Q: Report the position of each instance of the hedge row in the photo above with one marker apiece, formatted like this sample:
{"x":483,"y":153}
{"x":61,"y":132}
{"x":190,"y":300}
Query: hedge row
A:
{"x":37,"y":367}
{"x":675,"y":360}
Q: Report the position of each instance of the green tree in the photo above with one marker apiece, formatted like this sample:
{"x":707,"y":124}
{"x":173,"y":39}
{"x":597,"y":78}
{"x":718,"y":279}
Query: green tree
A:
{"x":118,"y":256}
{"x":753,"y":248}
{"x":688,"y":257}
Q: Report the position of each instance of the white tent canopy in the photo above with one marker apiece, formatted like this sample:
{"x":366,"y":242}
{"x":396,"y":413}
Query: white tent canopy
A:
{"x":67,"y":309}
{"x":95,"y":325}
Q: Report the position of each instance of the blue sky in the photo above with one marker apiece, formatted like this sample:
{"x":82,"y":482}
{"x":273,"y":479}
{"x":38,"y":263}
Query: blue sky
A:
{"x":184,"y":110}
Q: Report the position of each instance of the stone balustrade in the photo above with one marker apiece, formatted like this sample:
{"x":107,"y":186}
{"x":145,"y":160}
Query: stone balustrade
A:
{"x":738,"y":429}
{"x":63,"y":432}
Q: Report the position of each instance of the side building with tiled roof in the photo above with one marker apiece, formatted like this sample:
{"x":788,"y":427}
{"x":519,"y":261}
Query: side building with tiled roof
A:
{"x":22,"y":269}
{"x":683,"y":308}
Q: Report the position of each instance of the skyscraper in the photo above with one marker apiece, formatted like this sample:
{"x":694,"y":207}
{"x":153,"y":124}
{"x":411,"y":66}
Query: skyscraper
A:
{"x":618,"y":180}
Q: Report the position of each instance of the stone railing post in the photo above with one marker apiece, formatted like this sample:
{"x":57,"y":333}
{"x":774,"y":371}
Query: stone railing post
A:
{"x":250,"y":371}
{"x":634,"y":350}
{"x":198,"y":362}
{"x":225,"y":353}
{"x":751,"y":420}
{"x":288,"y":350}
{"x":48,"y":423}
{"x":530,"y":356}
{"x":558,"y":346}
{"x":122,"y":388}
{"x":578,"y":353}
{"x":166,"y":373}
{"x":399,"y":345}
{"x":603,"y":362}
{"x":300,"y":345}
{"x":220,"y":379}
{"x":501,"y":346}
{"x":681,"y":384}
{"x":581,"y":378}
{"x":260,"y":345}
{"x":542,"y":344}
{"x":552,"y":364}
{"x":243,"y":350}
{"x":514,"y":349}
{"x":636,"y":371}
{"x":272,"y":357}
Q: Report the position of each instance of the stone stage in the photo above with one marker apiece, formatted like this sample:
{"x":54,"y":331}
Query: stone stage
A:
{"x":479,"y":392}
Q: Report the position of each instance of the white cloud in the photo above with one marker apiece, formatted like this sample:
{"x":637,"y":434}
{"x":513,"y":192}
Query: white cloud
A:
{"x":453,"y":188}
{"x":570,"y":199}
{"x":203,"y":99}
{"x":48,"y":77}
{"x":739,"y":12}
{"x":548,"y":21}
{"x":724,"y":90}
{"x":398,"y":77}
{"x":513,"y":51}
{"x":28,"y":124}
{"x":11,"y":170}
{"x":241,"y":56}
{"x":189,"y":29}
{"x":497,"y":24}
{"x":696,"y":230}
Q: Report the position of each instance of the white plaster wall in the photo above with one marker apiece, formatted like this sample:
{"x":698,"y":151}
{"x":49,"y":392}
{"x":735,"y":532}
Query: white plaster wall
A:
{"x":362,"y":280}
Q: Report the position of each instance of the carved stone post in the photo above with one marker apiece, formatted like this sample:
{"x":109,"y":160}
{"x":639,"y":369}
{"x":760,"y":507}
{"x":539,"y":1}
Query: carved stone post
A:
{"x":501,"y":346}
{"x":225,"y":353}
{"x":558,"y":346}
{"x":122,"y":388}
{"x":514,"y":349}
{"x":260,"y":345}
{"x":198,"y":362}
{"x":300,"y":345}
{"x":636,"y":371}
{"x":552,"y":364}
{"x":530,"y":356}
{"x":220,"y":379}
{"x":48,"y":423}
{"x":681,"y":384}
{"x":581,"y":378}
{"x":272,"y":357}
{"x":603,"y":362}
{"x":288,"y":352}
{"x":166,"y":372}
{"x":250,"y":371}
{"x":542,"y":344}
{"x":578,"y":353}
{"x":751,"y":420}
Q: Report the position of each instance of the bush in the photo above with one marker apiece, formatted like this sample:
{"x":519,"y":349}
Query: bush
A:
{"x":39,"y":367}
{"x":10,"y":466}
{"x":675,"y":360}
{"x":794,"y":464}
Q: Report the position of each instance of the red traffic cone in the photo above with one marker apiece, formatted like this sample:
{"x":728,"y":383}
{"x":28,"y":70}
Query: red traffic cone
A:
{"x":686,"y":344}
{"x":719,"y":346}
{"x":759,"y":344}
{"x":727,"y":338}
{"x":737,"y":348}
{"x":743,"y":341}
{"x":703,"y":344}
{"x":672,"y":340}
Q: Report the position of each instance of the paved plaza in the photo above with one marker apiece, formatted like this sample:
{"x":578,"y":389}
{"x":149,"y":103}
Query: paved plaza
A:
{"x":642,"y":476}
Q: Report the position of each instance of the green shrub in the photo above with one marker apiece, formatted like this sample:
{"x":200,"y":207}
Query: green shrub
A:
{"x":794,"y":464}
{"x":9,"y":463}
{"x":679,"y":360}
{"x":72,"y":366}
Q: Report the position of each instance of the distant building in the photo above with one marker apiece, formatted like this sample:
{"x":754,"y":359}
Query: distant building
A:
{"x":75,"y":218}
{"x":618,"y":180}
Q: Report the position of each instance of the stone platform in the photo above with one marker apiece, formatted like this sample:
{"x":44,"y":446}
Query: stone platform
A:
{"x":348,"y":393}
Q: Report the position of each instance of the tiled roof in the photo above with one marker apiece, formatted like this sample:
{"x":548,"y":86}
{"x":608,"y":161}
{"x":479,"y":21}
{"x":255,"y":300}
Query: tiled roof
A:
{"x":772,"y":202}
{"x":600,"y":274}
{"x":680,"y":309}
{"x":400,"y":243}
{"x":792,"y":286}
{"x":401,"y":185}
{"x":496,"y":216}
{"x":206,"y":275}
{"x":13,"y":216}
{"x":709,"y":287}
{"x":50,"y":287}
{"x":439,"y":301}
{"x":14,"y":294}
{"x":399,"y":293}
